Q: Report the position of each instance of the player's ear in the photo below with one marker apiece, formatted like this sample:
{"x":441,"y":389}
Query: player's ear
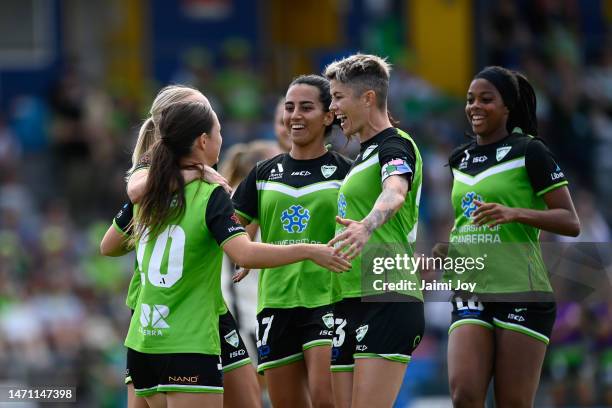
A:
{"x":328,"y":118}
{"x":201,"y":140}
{"x":369,"y":97}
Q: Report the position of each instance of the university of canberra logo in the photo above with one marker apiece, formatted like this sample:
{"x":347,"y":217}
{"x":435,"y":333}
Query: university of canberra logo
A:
{"x":467,"y":203}
{"x":295,"y":219}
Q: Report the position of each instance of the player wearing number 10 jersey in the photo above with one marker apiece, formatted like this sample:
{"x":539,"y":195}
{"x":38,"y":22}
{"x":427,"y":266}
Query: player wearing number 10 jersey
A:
{"x":239,"y":378}
{"x":173,"y":338}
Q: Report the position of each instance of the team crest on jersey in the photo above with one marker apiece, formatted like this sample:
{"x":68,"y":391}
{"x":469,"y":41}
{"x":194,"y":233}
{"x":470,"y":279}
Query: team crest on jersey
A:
{"x":502,"y":152}
{"x":369,"y":151}
{"x":342,"y":205}
{"x":232,"y":338}
{"x":295,"y":219}
{"x":328,"y":170}
{"x":328,"y":320}
{"x":467,"y":203}
{"x":361,"y":332}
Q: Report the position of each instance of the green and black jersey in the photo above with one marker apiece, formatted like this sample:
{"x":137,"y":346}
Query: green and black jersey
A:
{"x":178,"y":303}
{"x":294,"y":202}
{"x":391,"y":152}
{"x":515,"y":172}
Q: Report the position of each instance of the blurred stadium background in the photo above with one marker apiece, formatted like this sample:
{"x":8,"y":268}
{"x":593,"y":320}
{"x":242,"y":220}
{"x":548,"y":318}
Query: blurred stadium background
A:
{"x":77,"y":78}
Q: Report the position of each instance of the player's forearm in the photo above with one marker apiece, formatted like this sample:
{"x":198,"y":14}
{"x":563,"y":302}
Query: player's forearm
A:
{"x":259,"y":255}
{"x":114,"y":244}
{"x":557,"y":220}
{"x":388,"y":203}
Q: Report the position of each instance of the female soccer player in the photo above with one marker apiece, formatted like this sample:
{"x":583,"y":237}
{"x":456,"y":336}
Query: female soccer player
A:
{"x":173,"y":338}
{"x":507,"y":187}
{"x":293,"y":196}
{"x":149,"y":133}
{"x":240,"y":378}
{"x":377,"y":204}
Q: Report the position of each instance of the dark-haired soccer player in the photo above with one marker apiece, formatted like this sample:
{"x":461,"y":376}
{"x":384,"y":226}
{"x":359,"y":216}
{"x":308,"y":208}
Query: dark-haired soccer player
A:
{"x":507,"y":187}
{"x":293,"y":196}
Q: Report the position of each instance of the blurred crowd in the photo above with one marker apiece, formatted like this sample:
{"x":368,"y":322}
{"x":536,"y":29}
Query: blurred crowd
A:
{"x":63,"y":157}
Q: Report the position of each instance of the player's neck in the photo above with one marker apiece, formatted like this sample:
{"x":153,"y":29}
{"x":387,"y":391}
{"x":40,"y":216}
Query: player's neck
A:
{"x":310,"y":151}
{"x":493,"y":137}
{"x":377,"y":122}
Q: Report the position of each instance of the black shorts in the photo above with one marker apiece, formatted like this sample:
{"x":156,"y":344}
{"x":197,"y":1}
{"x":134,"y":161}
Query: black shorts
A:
{"x":389,"y":330}
{"x":284,"y":334}
{"x":176,"y":372}
{"x":233,"y":350}
{"x":535,"y":319}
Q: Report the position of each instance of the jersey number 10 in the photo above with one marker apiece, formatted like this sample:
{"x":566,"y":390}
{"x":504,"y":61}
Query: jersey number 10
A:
{"x":176,"y":252}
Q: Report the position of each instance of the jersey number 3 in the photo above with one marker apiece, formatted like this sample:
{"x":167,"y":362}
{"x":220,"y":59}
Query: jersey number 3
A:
{"x":176,"y":252}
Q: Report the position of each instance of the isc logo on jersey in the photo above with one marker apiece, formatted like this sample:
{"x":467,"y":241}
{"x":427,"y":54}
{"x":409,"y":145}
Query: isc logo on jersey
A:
{"x":479,"y":159}
{"x":516,"y":317}
{"x":302,"y":173}
{"x":295,"y":219}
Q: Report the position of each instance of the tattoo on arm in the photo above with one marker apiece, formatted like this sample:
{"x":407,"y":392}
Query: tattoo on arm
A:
{"x":388,"y":203}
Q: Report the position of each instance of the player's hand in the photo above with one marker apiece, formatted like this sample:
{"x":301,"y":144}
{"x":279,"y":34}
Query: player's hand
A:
{"x":192,"y":172}
{"x":240,"y":275}
{"x":351,"y":241}
{"x":440,"y":250}
{"x":326,"y":257}
{"x":210,"y":175}
{"x":492,"y":214}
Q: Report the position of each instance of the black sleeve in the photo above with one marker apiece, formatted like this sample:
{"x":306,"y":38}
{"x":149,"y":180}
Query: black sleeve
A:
{"x":396,"y":157}
{"x":543,"y":171}
{"x":245,"y":196}
{"x":220,"y":218}
{"x":123,"y":219}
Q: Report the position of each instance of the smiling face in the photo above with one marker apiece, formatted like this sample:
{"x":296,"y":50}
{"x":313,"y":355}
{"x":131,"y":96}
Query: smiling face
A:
{"x":485,"y":109}
{"x":305,"y":118}
{"x":349,"y":108}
